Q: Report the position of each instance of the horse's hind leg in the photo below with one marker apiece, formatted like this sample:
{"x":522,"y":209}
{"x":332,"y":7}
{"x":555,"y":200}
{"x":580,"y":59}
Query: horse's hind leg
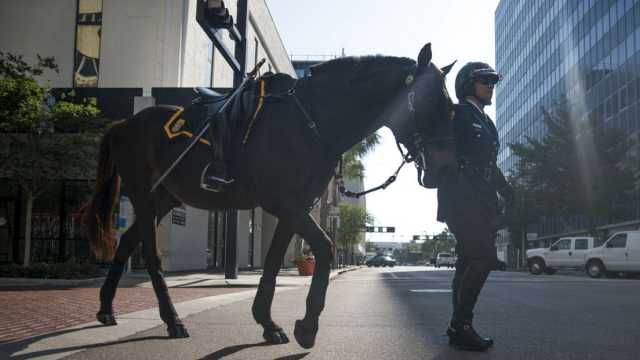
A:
{"x":273,"y":333}
{"x":146,"y":211}
{"x":128,"y":243}
{"x":306,"y":329}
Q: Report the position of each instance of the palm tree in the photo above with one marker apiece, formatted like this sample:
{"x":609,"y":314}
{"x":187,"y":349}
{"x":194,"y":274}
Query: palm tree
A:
{"x":352,"y":166}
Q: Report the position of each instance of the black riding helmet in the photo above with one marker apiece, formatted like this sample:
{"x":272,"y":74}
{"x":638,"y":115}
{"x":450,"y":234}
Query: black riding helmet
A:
{"x":470,"y":72}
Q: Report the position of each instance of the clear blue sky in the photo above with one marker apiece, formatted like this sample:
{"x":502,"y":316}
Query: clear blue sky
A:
{"x":461,"y":30}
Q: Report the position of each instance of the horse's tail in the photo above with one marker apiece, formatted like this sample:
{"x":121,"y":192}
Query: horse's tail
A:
{"x":98,"y":212}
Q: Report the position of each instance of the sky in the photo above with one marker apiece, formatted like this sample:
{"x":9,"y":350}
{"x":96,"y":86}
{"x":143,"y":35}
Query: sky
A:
{"x":461,"y":30}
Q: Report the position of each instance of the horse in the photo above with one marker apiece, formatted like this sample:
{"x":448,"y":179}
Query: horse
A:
{"x":292,"y":152}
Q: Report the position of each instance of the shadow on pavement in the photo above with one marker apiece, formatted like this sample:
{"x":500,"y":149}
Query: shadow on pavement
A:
{"x":293,"y":357}
{"x":14,"y":347}
{"x":232,"y":350}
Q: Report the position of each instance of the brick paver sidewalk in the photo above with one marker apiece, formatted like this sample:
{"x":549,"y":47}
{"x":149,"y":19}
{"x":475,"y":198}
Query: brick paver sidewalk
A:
{"x":28,"y":311}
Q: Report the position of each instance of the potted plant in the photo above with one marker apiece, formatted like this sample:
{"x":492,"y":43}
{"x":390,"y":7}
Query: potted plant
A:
{"x":306,"y":264}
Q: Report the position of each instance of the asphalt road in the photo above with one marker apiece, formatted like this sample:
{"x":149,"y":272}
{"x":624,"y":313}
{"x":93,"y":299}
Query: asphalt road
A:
{"x":401,"y":313}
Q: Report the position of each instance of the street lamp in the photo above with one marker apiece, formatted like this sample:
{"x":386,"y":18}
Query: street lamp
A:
{"x":217,"y":15}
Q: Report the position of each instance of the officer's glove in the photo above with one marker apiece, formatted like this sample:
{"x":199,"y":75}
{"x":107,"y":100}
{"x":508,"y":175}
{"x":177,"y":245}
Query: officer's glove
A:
{"x":508,"y":196}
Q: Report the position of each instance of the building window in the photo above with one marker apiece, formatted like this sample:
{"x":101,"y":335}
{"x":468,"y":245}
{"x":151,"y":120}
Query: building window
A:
{"x":87,"y":53}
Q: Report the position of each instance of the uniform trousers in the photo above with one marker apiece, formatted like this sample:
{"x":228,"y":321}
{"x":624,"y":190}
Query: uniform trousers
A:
{"x":468,"y":203}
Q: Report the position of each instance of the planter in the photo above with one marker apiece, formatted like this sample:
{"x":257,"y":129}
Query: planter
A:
{"x":306,"y":267}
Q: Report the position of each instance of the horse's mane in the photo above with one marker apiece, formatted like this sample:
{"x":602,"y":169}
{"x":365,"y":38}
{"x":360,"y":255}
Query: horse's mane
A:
{"x":353,"y":63}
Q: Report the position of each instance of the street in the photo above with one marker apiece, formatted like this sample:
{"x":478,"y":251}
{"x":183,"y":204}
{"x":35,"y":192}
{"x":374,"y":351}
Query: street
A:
{"x":402,"y":313}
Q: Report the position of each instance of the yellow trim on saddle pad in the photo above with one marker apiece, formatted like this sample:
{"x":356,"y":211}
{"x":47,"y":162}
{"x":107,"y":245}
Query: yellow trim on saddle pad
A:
{"x":175,"y":123}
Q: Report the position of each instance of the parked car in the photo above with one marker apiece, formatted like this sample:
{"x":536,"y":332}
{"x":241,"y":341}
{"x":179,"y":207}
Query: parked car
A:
{"x":619,"y":254}
{"x":445,"y":259}
{"x":568,"y":252}
{"x":381,"y":260}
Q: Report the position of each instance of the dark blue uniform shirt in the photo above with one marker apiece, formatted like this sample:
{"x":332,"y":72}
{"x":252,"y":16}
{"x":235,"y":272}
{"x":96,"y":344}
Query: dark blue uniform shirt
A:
{"x":477,"y":140}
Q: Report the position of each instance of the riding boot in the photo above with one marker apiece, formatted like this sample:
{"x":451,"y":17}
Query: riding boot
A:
{"x":463,"y":336}
{"x":215,"y":177}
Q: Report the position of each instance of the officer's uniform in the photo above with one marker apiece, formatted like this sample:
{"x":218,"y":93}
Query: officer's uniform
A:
{"x":468,"y":203}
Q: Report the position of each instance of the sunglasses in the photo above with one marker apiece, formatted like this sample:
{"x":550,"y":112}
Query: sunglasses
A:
{"x":488,"y":80}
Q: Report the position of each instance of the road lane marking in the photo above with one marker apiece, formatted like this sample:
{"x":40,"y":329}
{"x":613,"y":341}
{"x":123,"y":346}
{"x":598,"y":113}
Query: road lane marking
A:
{"x":431,"y":291}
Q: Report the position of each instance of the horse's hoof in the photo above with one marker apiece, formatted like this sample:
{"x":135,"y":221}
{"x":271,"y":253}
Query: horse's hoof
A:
{"x":106,"y":319}
{"x":304,"y":336}
{"x":177,"y":331}
{"x":275,"y":336}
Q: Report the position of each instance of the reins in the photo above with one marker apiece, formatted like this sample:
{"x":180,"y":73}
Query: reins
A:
{"x":406,"y":158}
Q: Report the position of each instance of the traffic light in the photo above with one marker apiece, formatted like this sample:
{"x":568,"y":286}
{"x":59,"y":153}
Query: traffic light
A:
{"x":217,"y":15}
{"x":380,"y":229}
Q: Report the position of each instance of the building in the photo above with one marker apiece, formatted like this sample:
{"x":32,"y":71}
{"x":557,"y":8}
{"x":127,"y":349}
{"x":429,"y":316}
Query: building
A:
{"x":131,"y":55}
{"x":587,"y":51}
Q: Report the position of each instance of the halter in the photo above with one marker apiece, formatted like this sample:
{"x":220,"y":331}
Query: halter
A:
{"x":421,"y":166}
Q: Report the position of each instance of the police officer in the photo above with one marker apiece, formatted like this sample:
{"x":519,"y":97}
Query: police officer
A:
{"x":468,"y":200}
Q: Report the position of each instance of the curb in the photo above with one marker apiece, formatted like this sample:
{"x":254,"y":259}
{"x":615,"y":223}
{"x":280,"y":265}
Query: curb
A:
{"x":35,"y":282}
{"x":4,"y":281}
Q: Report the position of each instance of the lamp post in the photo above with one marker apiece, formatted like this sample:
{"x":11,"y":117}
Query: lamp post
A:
{"x":214,"y":19}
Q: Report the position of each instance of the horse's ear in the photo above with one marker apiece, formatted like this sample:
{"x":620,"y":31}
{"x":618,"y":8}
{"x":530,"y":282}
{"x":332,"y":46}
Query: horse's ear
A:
{"x":447,"y":68}
{"x":424,"y":58}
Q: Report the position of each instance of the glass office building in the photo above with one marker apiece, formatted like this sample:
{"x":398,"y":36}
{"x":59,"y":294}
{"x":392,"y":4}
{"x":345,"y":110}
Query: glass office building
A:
{"x":585,"y":50}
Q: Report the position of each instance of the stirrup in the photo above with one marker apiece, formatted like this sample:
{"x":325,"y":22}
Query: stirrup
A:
{"x":214,"y":183}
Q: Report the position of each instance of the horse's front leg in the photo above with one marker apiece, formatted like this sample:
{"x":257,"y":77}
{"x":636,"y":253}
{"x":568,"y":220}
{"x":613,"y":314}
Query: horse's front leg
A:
{"x":306,"y":329}
{"x":261,"y":309}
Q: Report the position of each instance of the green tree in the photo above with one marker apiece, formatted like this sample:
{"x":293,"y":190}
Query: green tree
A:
{"x":353,"y":219}
{"x":352,"y":166}
{"x":580,"y":167}
{"x":41,"y":140}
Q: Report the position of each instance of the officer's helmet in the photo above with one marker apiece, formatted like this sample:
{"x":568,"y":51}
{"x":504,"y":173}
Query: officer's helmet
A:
{"x":471,"y":72}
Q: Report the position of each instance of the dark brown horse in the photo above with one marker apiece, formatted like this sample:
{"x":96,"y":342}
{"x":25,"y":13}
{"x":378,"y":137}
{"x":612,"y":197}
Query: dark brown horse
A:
{"x":286,"y":163}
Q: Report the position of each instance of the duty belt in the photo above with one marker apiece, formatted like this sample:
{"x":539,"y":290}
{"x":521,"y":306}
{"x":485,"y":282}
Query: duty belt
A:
{"x":483,"y":171}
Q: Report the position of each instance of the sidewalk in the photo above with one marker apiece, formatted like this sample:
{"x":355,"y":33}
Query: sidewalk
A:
{"x":35,"y":307}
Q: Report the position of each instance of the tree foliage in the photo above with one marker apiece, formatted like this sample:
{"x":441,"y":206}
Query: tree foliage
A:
{"x":353,"y":219}
{"x":580,"y":167}
{"x":352,"y":164}
{"x":444,"y":241}
{"x":41,"y":139}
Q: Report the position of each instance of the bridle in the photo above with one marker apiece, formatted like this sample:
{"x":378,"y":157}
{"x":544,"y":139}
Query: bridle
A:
{"x":419,"y":158}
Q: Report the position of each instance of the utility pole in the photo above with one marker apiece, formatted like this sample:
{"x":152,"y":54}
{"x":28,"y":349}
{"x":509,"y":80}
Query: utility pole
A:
{"x":213,"y":17}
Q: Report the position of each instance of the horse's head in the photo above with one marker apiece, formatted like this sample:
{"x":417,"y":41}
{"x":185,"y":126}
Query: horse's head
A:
{"x":424,"y":122}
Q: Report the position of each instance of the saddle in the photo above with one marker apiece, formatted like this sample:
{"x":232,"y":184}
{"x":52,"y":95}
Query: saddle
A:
{"x":207,"y":96}
{"x":229,"y":127}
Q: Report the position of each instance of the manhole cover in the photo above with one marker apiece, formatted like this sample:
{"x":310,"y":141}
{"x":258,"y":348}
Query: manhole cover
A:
{"x":432,"y":291}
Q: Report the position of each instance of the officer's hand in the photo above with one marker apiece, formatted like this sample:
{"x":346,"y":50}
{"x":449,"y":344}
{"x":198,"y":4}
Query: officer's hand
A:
{"x":508,"y":196}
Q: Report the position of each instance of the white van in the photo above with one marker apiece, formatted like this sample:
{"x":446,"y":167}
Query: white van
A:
{"x":620,"y":253}
{"x":568,"y":252}
{"x":445,"y":259}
